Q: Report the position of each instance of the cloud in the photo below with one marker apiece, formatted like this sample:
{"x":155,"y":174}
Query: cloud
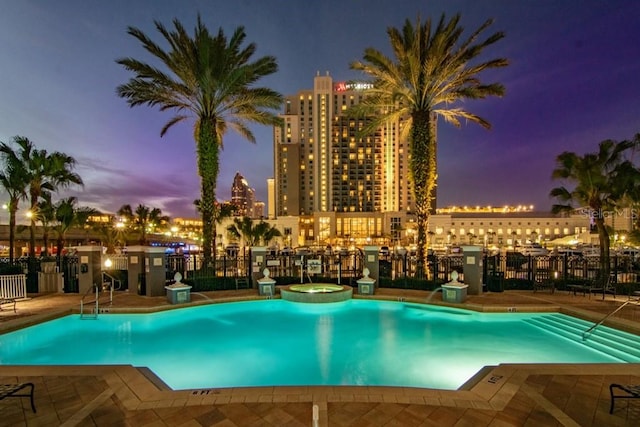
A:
{"x":108,"y":188}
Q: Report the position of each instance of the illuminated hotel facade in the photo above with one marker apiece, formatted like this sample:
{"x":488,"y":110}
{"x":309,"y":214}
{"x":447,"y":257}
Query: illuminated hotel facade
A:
{"x":323,"y":164}
{"x":350,"y":189}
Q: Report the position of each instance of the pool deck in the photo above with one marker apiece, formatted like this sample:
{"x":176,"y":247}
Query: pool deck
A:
{"x":504,"y":395}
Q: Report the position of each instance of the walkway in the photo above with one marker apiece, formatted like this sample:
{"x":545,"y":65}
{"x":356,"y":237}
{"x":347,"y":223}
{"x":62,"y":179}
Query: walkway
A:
{"x":506,"y":395}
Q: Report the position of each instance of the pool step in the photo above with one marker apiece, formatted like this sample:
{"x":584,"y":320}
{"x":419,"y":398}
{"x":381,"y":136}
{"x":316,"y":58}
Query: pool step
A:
{"x":618,"y":340}
{"x":618,"y":344}
{"x":601,"y":331}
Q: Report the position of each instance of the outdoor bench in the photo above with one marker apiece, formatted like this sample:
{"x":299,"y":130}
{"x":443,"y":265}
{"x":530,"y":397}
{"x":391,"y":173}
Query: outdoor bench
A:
{"x":579,"y":288}
{"x":11,"y":390}
{"x":5,"y":301}
{"x":633,"y":392}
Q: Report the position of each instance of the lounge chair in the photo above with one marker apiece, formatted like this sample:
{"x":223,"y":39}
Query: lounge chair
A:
{"x":608,"y":288}
{"x":11,"y":390}
{"x":540,"y":285}
{"x":632,"y":392}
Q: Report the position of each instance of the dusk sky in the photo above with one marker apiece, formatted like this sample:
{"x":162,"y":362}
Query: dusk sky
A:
{"x":573,"y":81}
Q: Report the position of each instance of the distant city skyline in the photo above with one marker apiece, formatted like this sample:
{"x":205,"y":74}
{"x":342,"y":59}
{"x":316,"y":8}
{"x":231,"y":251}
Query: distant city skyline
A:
{"x":572,"y":82}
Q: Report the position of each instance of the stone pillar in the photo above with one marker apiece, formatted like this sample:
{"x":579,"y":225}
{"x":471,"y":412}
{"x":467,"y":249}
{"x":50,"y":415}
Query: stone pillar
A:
{"x":371,"y":255}
{"x":472,"y":268}
{"x":258,"y":263}
{"x":90,"y":269}
{"x":155,"y":271}
{"x":135,"y":268}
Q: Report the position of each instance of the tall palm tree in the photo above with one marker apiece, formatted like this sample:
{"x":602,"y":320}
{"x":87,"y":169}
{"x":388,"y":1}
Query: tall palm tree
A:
{"x":253,"y":234}
{"x":143,"y":220}
{"x":44,"y":172}
{"x":602,"y":182}
{"x":432,"y":70}
{"x":211,"y":78}
{"x":13,"y":178}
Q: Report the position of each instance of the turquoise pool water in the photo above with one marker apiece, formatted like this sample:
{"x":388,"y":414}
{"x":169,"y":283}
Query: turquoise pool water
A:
{"x":275,"y":342}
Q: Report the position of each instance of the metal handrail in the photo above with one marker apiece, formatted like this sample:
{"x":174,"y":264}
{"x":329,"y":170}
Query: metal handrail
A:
{"x":592,"y":328}
{"x":111,"y":287}
{"x":95,"y":314}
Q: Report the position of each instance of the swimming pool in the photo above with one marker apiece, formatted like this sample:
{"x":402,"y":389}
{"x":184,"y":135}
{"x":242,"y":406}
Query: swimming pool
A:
{"x":276,"y":342}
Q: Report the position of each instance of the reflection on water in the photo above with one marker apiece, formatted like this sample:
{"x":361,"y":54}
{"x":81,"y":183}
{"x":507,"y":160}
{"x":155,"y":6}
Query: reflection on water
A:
{"x":324,"y":337}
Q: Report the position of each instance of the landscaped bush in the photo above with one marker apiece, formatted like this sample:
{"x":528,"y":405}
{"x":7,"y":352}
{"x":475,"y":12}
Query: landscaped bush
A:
{"x":409,"y":283}
{"x":626,"y":288}
{"x":210,"y":283}
{"x":7,"y":270}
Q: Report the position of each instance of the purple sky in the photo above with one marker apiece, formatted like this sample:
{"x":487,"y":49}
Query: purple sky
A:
{"x":573,"y":81}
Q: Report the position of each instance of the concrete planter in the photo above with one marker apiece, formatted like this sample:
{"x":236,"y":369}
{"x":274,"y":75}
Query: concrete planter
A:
{"x":179,"y":294}
{"x":366,"y":285}
{"x":456,"y":293}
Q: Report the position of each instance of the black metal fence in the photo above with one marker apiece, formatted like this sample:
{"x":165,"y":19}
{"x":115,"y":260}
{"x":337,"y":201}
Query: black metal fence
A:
{"x":338,"y":268}
{"x":347,"y":267}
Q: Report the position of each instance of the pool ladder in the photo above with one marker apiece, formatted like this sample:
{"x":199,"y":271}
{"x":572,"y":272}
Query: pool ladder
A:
{"x":93,"y":313}
{"x":96,"y":301}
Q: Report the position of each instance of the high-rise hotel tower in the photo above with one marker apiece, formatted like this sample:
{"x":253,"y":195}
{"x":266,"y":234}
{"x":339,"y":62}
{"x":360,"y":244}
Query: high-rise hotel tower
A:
{"x":324,"y":164}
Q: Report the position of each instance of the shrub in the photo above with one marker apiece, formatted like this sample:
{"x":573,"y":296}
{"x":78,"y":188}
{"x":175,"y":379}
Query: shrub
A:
{"x":8,"y":270}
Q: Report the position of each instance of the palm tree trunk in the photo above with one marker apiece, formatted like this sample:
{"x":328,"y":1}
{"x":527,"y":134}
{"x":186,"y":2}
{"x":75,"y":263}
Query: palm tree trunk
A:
{"x":45,"y":243}
{"x":423,"y":172}
{"x":12,"y":232}
{"x":208,"y":164}
{"x":605,"y":264}
{"x":213,"y":243}
{"x":32,"y":227}
{"x":59,"y":247}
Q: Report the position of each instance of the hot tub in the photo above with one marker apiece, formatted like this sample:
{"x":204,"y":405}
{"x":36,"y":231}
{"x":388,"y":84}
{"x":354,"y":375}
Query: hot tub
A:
{"x":316,"y":292}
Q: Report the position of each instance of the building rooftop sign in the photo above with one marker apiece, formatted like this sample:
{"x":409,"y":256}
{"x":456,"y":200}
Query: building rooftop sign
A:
{"x":345,"y":86}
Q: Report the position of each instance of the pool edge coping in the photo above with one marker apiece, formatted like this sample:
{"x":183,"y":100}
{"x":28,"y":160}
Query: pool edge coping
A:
{"x":493,"y":391}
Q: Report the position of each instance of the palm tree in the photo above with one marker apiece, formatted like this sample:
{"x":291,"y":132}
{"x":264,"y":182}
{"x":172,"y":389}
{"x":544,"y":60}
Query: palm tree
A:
{"x":602,"y":182}
{"x":67,"y":215}
{"x":253,"y":235}
{"x":143,"y":220}
{"x":45,"y":213}
{"x":43,"y":172}
{"x":13,"y":179}
{"x":431,"y":72}
{"x":212,"y":79}
{"x":266,"y":232}
{"x":111,"y":235}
